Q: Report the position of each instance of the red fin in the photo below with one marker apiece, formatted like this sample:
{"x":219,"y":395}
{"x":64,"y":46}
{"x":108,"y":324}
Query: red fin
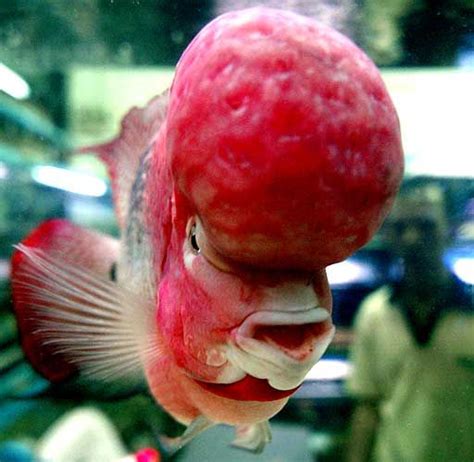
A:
{"x":123,"y":154}
{"x":76,"y":247}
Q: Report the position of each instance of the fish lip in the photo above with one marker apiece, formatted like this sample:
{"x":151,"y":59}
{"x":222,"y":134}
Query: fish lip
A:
{"x":288,"y":317}
{"x":246,"y":389}
{"x":265,"y":360}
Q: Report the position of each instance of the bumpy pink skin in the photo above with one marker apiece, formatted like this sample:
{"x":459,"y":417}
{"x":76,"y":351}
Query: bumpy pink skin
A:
{"x":262,"y":95}
{"x":284,"y":143}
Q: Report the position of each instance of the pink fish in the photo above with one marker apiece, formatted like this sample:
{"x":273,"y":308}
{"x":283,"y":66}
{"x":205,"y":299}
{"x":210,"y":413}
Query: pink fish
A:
{"x":275,"y":153}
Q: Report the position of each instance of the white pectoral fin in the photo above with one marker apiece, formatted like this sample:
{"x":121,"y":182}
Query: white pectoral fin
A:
{"x":71,"y":315}
{"x":252,"y":437}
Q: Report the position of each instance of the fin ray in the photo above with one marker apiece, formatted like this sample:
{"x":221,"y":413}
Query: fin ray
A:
{"x":60,"y":271}
{"x":92,"y":322}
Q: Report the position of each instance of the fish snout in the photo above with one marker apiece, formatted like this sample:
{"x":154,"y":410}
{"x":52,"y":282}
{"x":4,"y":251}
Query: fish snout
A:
{"x":281,"y":346}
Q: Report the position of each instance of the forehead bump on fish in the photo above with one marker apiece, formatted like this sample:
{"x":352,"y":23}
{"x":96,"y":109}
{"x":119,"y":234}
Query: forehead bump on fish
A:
{"x":284,"y":140}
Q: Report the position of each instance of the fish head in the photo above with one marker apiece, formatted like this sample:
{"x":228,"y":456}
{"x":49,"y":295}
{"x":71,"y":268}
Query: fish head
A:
{"x":286,"y":156}
{"x":229,"y":323}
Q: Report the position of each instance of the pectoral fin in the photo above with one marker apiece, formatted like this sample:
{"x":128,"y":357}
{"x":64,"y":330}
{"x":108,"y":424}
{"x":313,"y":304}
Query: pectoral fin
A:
{"x":73,"y":319}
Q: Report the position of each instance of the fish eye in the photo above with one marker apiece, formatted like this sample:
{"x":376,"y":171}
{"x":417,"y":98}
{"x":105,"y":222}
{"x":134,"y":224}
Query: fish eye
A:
{"x":113,"y":272}
{"x":193,"y":240}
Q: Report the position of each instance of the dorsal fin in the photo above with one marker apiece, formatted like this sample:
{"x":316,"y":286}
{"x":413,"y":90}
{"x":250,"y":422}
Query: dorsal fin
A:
{"x":123,"y":154}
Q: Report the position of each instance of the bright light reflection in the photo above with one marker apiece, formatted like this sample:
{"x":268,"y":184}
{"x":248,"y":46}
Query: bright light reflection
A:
{"x":348,"y":272}
{"x":464,"y":269}
{"x":3,"y":171}
{"x":4,"y":269}
{"x":12,"y":84}
{"x":330,"y":369}
{"x":70,"y":181}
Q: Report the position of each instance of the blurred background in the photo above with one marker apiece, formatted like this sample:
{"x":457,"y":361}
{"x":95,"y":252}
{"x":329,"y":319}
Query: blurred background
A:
{"x":69,"y":70}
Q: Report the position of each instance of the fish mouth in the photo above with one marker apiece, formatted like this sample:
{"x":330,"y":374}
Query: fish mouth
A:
{"x":281,"y":346}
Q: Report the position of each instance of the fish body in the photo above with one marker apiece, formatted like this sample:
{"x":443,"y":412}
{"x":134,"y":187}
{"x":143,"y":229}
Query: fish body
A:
{"x":275,"y":153}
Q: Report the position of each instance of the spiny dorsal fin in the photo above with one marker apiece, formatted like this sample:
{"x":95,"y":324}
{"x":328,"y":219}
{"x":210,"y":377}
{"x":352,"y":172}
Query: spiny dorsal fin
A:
{"x":123,"y":154}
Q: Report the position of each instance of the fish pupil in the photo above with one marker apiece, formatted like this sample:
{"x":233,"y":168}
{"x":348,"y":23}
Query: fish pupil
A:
{"x":113,"y":272}
{"x":193,"y":240}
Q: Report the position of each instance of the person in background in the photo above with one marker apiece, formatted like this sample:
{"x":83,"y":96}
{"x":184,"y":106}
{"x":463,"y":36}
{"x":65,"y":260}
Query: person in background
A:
{"x":413,"y":353}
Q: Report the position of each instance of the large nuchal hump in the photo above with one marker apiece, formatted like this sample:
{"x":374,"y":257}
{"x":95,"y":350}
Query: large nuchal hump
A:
{"x":284,"y":139}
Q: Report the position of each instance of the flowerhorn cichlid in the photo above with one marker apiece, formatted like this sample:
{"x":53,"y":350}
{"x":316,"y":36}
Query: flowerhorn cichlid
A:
{"x":275,"y":153}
